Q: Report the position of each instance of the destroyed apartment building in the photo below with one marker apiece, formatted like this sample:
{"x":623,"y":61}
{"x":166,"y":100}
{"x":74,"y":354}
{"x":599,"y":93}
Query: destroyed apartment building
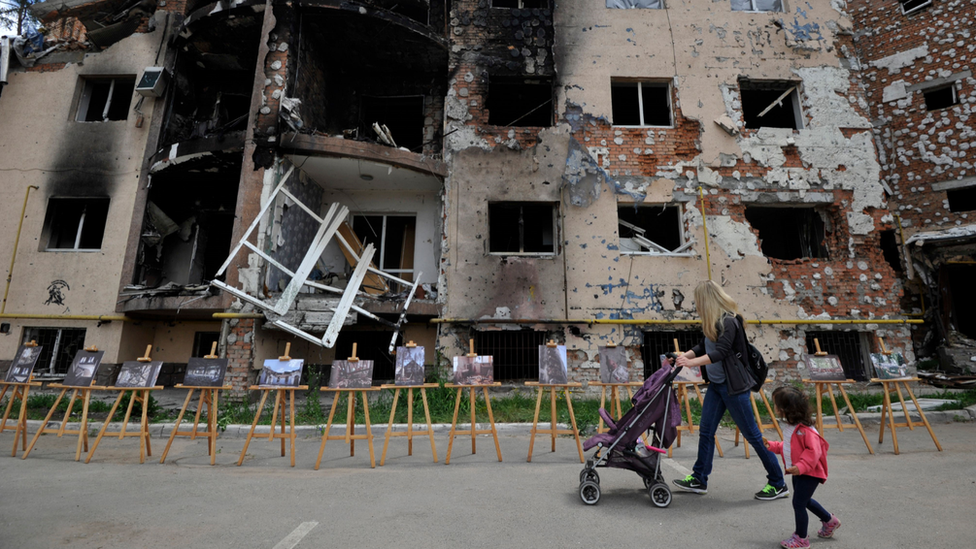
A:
{"x":327,"y":173}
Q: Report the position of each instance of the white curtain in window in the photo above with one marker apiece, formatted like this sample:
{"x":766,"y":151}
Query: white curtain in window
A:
{"x":638,"y":4}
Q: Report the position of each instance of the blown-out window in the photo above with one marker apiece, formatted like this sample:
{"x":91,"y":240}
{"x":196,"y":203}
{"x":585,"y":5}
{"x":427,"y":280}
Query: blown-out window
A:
{"x":522,"y":228}
{"x":105,"y":99}
{"x":788,"y":233}
{"x":75,"y":224}
{"x":640,"y":103}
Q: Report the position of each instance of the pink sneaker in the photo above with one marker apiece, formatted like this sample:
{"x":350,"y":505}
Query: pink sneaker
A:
{"x":796,"y":542}
{"x":828,"y":527}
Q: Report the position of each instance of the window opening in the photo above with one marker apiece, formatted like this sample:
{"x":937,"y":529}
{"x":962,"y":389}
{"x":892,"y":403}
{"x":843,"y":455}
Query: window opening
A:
{"x":635,"y":4}
{"x":59,"y":348}
{"x":910,"y":6}
{"x":940,"y":98}
{"x":659,"y":343}
{"x":848,"y":346}
{"x":75,"y":224}
{"x":962,"y":200}
{"x":402,"y":115}
{"x":521,"y":227}
{"x":516,"y":353}
{"x":960,"y":293}
{"x":650,"y":229}
{"x":520,"y":4}
{"x":203,"y":341}
{"x":104,"y":99}
{"x":889,"y":247}
{"x":757,"y":5}
{"x":519,"y":102}
{"x":393,"y":237}
{"x":788,"y":233}
{"x":641,"y":103}
{"x":770,"y":105}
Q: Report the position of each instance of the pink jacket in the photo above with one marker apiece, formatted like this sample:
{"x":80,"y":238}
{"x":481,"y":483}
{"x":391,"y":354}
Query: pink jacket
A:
{"x":808,"y":452}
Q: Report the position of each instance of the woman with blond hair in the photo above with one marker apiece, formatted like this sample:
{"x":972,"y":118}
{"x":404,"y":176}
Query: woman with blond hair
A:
{"x":728,"y":389}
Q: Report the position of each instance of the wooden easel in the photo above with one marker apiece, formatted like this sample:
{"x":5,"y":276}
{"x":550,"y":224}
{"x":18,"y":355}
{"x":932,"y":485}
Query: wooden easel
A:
{"x":457,"y":406}
{"x":615,"y":410}
{"x":351,"y":437}
{"x":82,"y":431}
{"x":685,"y":403}
{"x":289,"y":395}
{"x":409,"y":432}
{"x":208,"y":398}
{"x":20,"y":392}
{"x":553,"y":396}
{"x":825,"y":386}
{"x":140,"y":394}
{"x":888,"y":384}
{"x":762,"y":426}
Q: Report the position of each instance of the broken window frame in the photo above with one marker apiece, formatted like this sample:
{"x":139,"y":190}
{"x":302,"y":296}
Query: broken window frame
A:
{"x":381,"y":262}
{"x":918,"y":5}
{"x":521,"y":203}
{"x":507,"y":82}
{"x":652,"y":248}
{"x":754,"y":9}
{"x":640,"y":100}
{"x":87,"y":89}
{"x":43,"y":335}
{"x":951,"y":87}
{"x":53,"y":218}
{"x":635,"y":4}
{"x":791,"y":94}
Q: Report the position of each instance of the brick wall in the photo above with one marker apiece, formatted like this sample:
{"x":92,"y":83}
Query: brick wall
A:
{"x":240,"y":357}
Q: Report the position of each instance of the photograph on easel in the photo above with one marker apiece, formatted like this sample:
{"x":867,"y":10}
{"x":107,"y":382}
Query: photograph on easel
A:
{"x":281,"y":373}
{"x":613,"y":365}
{"x":205,"y":372}
{"x":83,"y":368}
{"x":889,"y":366}
{"x":410,"y":366}
{"x":692,"y":374}
{"x":553,"y":365}
{"x":348,"y":374}
{"x":23,"y":364}
{"x":474,"y":370}
{"x":135,"y":374}
{"x":824,"y":368}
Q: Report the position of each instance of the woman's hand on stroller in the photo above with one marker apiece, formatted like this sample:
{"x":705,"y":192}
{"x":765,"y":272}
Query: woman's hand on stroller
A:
{"x":671,"y":358}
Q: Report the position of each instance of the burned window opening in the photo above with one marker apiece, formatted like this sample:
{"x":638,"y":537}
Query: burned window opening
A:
{"x":850,"y":347}
{"x":940,"y":98}
{"x":393,"y":236}
{"x":757,"y":5}
{"x":402,"y":115}
{"x":520,"y":4}
{"x":911,"y":6}
{"x":105,"y":99}
{"x":522,"y":228}
{"x":962,"y":200}
{"x":889,"y":248}
{"x":770,"y":105}
{"x":658,"y":343}
{"x":650,"y":229}
{"x":789,"y":233}
{"x":959,"y":291}
{"x":58,"y":348}
{"x":640,"y":103}
{"x":516,"y":353}
{"x":519,"y":102}
{"x":75,"y":224}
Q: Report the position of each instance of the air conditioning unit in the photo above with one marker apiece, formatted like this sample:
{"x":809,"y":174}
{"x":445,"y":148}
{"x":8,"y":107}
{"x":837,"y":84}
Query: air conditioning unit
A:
{"x":153,"y":82}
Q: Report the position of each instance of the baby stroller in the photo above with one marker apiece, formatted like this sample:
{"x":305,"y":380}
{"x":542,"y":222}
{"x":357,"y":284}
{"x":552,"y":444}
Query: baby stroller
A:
{"x":655,"y":404}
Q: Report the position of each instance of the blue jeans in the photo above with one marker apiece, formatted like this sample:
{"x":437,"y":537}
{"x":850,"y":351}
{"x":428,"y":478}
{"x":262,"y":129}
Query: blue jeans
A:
{"x":716,"y":401}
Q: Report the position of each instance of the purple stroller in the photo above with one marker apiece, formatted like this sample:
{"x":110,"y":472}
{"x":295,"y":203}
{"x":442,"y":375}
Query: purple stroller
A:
{"x":621,"y":446}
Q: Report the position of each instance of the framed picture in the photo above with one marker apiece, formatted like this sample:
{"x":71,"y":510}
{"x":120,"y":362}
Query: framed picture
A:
{"x":138,"y":374}
{"x":613,"y":365}
{"x":347,"y":374}
{"x":205,"y":372}
{"x":281,"y":373}
{"x":23,"y":364}
{"x":824,"y":368}
{"x":474,"y":370}
{"x":410,"y":366}
{"x":889,"y":366}
{"x":553,"y":365}
{"x":686,"y":374}
{"x":83,"y":367}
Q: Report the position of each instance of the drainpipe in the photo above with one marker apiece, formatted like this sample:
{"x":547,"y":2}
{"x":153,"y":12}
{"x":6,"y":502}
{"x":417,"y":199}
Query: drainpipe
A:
{"x":708,"y":257}
{"x":759,"y":322}
{"x":13,"y":257}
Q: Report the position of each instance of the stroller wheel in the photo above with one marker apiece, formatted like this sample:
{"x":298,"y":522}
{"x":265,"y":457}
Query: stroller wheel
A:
{"x":589,"y":474}
{"x":660,"y":495}
{"x":590,"y":492}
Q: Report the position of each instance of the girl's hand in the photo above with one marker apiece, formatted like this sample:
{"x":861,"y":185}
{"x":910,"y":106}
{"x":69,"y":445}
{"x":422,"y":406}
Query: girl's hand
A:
{"x":793,"y":471}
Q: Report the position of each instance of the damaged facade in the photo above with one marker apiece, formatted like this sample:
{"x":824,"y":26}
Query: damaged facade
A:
{"x":525,"y":170}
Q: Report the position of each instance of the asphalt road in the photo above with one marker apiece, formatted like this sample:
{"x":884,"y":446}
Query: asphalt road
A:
{"x":921,"y":498}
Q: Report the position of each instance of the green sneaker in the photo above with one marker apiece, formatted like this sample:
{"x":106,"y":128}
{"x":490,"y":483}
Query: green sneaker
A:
{"x":690,"y":484}
{"x":770,"y":492}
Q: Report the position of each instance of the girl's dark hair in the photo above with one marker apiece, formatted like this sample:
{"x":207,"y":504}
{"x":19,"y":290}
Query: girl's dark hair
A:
{"x":794,"y":405}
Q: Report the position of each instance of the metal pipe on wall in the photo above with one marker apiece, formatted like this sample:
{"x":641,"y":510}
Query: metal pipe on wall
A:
{"x":13,"y":256}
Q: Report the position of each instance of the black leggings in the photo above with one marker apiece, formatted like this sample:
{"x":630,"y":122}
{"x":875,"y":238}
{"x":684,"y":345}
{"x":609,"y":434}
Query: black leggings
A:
{"x":803,"y":488}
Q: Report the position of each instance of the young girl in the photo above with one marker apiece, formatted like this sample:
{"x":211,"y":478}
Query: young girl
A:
{"x":805,"y":456}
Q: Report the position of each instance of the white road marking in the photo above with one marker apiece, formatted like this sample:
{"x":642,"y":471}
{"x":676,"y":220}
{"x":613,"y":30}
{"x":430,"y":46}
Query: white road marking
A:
{"x":681,"y":469}
{"x":292,"y":539}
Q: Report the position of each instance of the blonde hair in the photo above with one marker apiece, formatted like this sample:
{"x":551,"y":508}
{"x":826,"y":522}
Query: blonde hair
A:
{"x":713,"y":304}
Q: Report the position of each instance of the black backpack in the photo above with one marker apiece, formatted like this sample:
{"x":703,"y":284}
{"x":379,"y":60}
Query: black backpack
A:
{"x":754,"y":361}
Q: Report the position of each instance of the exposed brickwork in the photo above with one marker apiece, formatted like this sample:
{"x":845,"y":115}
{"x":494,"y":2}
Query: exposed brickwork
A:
{"x":240,"y":355}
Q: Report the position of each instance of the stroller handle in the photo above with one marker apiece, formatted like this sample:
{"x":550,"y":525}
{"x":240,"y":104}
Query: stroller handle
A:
{"x":673,"y":374}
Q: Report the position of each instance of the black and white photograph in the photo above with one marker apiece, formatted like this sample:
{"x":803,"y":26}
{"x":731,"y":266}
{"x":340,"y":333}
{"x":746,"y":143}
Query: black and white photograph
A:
{"x":474,"y":370}
{"x":347,"y":374}
{"x":552,"y":365}
{"x":824,"y":368}
{"x":889,"y":366}
{"x":138,"y":374}
{"x":205,"y":372}
{"x":410,"y":366}
{"x":281,"y":373}
{"x":613,"y":365}
{"x":23,"y":364}
{"x":83,"y":368}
